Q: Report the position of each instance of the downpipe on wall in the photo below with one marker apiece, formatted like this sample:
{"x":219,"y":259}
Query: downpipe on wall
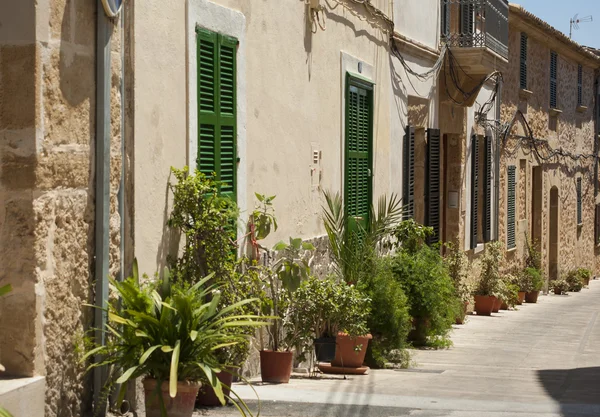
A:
{"x":102,"y":203}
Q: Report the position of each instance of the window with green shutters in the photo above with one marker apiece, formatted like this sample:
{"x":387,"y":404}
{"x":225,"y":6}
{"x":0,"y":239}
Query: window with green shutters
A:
{"x":579,"y":85}
{"x":217,"y":128}
{"x":474,"y":189}
{"x":511,"y":207}
{"x":553,"y":79}
{"x":432,"y":184}
{"x":408,"y":175}
{"x":487,"y":225}
{"x":523,"y":62}
{"x":358,"y":152}
{"x":579,"y":209}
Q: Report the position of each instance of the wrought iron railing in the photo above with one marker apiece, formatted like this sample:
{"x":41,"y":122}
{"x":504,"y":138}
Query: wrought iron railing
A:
{"x":476,"y":24}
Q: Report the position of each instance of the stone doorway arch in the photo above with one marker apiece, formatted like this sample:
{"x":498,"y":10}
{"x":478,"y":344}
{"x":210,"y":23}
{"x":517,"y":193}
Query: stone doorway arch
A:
{"x":553,"y":235}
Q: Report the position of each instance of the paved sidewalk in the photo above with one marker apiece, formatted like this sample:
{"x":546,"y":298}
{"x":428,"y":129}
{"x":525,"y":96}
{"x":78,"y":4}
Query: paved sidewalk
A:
{"x":542,"y":360}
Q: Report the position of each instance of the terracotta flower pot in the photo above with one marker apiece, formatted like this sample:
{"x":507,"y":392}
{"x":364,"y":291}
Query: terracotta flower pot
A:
{"x":350,"y":351}
{"x":521,"y":297}
{"x":276,"y":366}
{"x":557,"y":291}
{"x":484,"y":304}
{"x":532,"y":297}
{"x":504,"y":305}
{"x":586,"y":281}
{"x":207,"y":396}
{"x":497,"y":304}
{"x":180,"y":406}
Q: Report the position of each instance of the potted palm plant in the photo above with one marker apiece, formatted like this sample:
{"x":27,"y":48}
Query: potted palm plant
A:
{"x":167,"y":333}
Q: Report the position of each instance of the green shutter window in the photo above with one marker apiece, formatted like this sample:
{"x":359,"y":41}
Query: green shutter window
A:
{"x":408,"y":180}
{"x":523,"y":63}
{"x":217,"y":127}
{"x":579,"y":85}
{"x":553,"y":79}
{"x":511,"y":207}
{"x":487,"y":229}
{"x":597,"y":225}
{"x":467,"y":12}
{"x":579,"y":211}
{"x":474,"y":189}
{"x":359,"y":140}
{"x":445,"y":21}
{"x":432,"y":184}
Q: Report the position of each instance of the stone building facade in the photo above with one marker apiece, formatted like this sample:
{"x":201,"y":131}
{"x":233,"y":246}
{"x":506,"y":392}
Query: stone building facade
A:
{"x":47,"y":197}
{"x":549,"y":190}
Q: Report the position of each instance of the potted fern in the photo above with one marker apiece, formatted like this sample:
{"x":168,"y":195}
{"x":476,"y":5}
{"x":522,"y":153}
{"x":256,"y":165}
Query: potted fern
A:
{"x":167,"y":333}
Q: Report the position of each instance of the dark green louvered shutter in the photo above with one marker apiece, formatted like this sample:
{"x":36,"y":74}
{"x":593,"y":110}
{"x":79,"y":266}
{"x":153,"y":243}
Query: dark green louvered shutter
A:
{"x":445,"y":18}
{"x":597,"y":225}
{"x":408,"y":186}
{"x":359,"y":133}
{"x":487,"y":228}
{"x":579,"y":85}
{"x":217,"y":108}
{"x":432,"y":185}
{"x":523,"y":63}
{"x":553,"y":79}
{"x":511,"y":207}
{"x":474,"y":189}
{"x":467,"y":11}
{"x":579,"y":210}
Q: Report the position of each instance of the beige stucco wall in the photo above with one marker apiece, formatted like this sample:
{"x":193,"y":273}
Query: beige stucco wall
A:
{"x":574,"y":132}
{"x":47,"y":139}
{"x":418,"y":20}
{"x":291,"y":100}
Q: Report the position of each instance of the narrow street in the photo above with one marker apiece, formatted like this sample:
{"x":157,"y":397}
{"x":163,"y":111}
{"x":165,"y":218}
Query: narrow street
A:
{"x":542,"y":360}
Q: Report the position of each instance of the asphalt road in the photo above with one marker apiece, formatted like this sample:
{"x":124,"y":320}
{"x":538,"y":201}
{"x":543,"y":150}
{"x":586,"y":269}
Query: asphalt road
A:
{"x":542,"y":360}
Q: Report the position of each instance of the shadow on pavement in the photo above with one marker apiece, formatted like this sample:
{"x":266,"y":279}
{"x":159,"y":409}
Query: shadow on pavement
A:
{"x":576,"y":390}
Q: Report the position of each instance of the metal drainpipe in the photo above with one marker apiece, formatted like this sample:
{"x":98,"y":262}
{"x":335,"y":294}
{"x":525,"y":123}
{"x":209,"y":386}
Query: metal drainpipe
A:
{"x":497,"y":161}
{"x":103,"y":78}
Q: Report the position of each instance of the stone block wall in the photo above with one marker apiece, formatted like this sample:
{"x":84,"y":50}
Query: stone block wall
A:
{"x":572,"y":131}
{"x":47,"y":197}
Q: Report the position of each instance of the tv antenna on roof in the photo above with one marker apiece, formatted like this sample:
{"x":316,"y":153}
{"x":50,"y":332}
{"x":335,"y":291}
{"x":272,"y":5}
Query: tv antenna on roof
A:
{"x":575,"y":21}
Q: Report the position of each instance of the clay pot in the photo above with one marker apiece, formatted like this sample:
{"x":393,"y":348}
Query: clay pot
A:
{"x":586,"y":281}
{"x":497,"y":304}
{"x":521,"y":297}
{"x":557,"y":291}
{"x":207,"y":396}
{"x":180,"y":406}
{"x":532,"y":297}
{"x":350,"y":351}
{"x":276,"y":366}
{"x":484,"y":304}
{"x":325,"y":349}
{"x":504,"y":305}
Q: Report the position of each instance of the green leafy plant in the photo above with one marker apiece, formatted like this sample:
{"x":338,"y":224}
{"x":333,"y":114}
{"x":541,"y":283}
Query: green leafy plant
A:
{"x":585,"y":274}
{"x":389,"y":321}
{"x":533,"y":257}
{"x":208,"y":221}
{"x":507,"y":290}
{"x":560,"y":286}
{"x":490,"y":270}
{"x":412,"y":235}
{"x":261,"y":222}
{"x":170,"y":332}
{"x":458,"y":267}
{"x":574,"y":280}
{"x":4,"y":412}
{"x":531,"y":280}
{"x":324,"y":307}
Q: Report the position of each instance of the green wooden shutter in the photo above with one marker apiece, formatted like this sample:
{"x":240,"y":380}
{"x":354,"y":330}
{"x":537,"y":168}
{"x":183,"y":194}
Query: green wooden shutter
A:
{"x":359,"y":134}
{"x":408,"y":188}
{"x":579,"y":211}
{"x":523,"y":63}
{"x":553,"y":79}
{"x":445,"y":21}
{"x":474,"y":189}
{"x":511,"y":207}
{"x":217,"y":127}
{"x":597,"y":225}
{"x":432,"y":191}
{"x":467,"y":11}
{"x":487,"y":230}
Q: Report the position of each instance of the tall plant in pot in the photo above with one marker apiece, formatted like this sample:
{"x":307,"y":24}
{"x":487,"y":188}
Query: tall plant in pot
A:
{"x":487,"y":286}
{"x":533,"y":281}
{"x":167,"y":333}
{"x":458,"y":267}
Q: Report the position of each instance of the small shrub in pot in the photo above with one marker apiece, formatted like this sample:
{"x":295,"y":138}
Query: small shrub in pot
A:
{"x":560,"y":286}
{"x":574,"y":280}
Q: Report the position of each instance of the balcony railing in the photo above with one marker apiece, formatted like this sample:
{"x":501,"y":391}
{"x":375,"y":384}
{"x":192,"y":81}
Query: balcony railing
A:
{"x":476,"y":24}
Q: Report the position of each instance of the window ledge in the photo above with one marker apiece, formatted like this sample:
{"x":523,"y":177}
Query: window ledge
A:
{"x":479,"y":248}
{"x":554,"y":112}
{"x":582,"y":109}
{"x":525,"y":94}
{"x":511,"y":250}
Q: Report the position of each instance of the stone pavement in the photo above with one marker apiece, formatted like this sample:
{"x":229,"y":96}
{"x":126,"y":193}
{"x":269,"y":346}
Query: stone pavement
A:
{"x":542,"y":360}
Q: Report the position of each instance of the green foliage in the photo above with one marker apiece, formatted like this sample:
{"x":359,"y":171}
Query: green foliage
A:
{"x":389,"y":322}
{"x":560,"y":286}
{"x":292,"y":268}
{"x":208,"y":222}
{"x":170,"y":332}
{"x":324,"y":307}
{"x":575,"y":280}
{"x":412,"y":235}
{"x":350,"y":249}
{"x":533,"y":257}
{"x":490,"y":270}
{"x":532,"y":280}
{"x":4,"y":412}
{"x":261,"y":222}
{"x":507,"y":290}
{"x":458,"y":267}
{"x":434,"y":305}
{"x":584,"y":273}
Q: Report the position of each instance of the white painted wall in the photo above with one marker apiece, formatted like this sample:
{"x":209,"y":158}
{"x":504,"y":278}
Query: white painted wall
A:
{"x":418,"y":20}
